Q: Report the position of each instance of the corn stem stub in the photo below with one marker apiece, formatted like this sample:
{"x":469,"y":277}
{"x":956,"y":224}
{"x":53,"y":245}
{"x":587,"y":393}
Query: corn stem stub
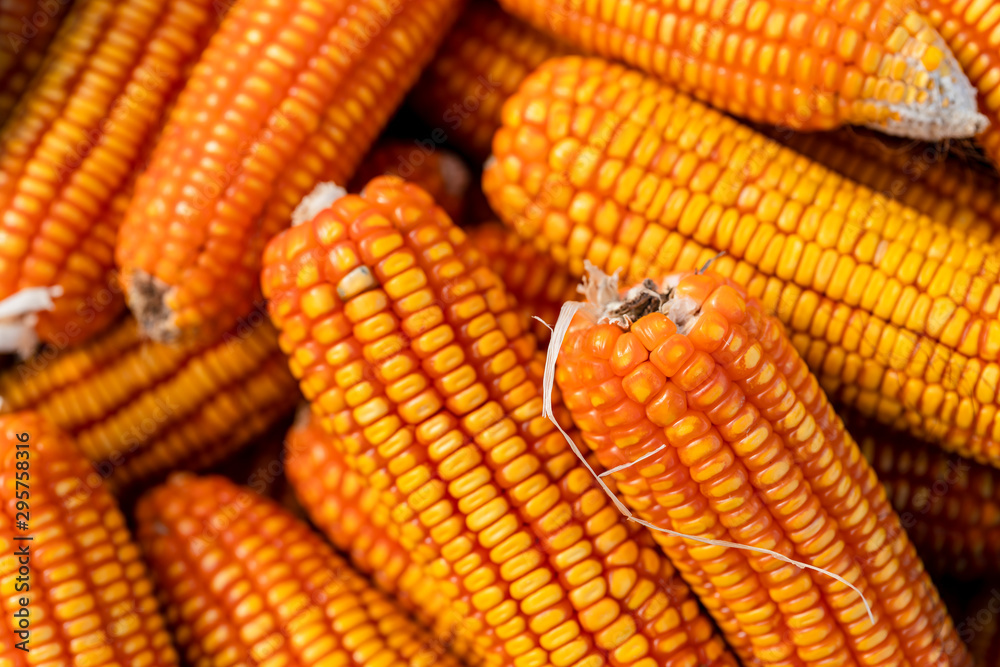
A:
{"x":406,"y":346}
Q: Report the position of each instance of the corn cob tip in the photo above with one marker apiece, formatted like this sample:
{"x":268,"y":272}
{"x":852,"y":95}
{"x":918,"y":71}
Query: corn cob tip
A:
{"x":19,"y":315}
{"x":147,"y":298}
{"x":952,"y":112}
{"x":318,"y":199}
{"x":456,"y":174}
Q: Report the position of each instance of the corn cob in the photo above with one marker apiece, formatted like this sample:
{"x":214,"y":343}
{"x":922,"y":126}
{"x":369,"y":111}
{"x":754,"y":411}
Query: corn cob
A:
{"x":724,"y":434}
{"x":950,"y":506}
{"x":138,"y":409}
{"x":356,"y":518}
{"x":27,"y":27}
{"x":245,"y":582}
{"x":70,"y":154}
{"x":537,"y":283}
{"x":895,"y":313}
{"x":438,"y":409}
{"x":438,"y":171}
{"x":480,"y":64}
{"x":804,"y":66}
{"x":288,"y":93}
{"x":921,"y":176}
{"x":89,"y":598}
{"x":969,"y":27}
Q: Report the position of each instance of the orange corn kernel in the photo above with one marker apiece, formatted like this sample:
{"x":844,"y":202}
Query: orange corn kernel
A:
{"x":138,"y":409}
{"x":286,"y":94}
{"x":877,"y":63}
{"x":897,"y":314}
{"x":78,"y":574}
{"x":738,"y":443}
{"x":479,"y":65}
{"x":412,"y":357}
{"x":245,"y":582}
{"x":71,"y":150}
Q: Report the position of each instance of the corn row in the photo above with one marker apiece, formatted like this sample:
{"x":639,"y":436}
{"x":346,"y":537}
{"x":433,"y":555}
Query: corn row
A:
{"x":737,"y":442}
{"x":969,"y":27}
{"x":538,"y":284}
{"x":896,"y":313}
{"x":357,"y":519}
{"x":27,"y":27}
{"x":437,"y":170}
{"x":138,"y":409}
{"x":876,"y":63}
{"x":89,"y":600}
{"x":950,"y":506}
{"x":479,"y":65}
{"x":71,"y":152}
{"x":305,"y":88}
{"x":245,"y":582}
{"x":412,"y":358}
{"x":921,"y":176}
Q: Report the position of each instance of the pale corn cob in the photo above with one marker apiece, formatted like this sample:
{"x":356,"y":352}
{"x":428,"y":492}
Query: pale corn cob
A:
{"x":897,"y":314}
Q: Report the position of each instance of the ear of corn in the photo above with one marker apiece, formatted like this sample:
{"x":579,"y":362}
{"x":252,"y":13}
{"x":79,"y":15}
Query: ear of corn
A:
{"x":307,"y":87}
{"x":89,"y":598}
{"x":921,"y":176}
{"x":480,"y":64}
{"x":538,"y":284}
{"x":805,"y":66}
{"x":27,"y":27}
{"x":896,"y":313}
{"x":245,"y":582}
{"x":71,"y":151}
{"x":437,"y":170}
{"x":738,"y":443}
{"x":970,"y":29}
{"x":138,"y":409}
{"x":950,"y":506}
{"x":410,"y":354}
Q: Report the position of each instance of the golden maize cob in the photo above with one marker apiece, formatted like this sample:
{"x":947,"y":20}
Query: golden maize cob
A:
{"x":950,"y":506}
{"x":970,"y":29}
{"x":814,"y":67}
{"x":138,"y":409}
{"x":725,"y":435}
{"x":248,"y":583}
{"x":921,"y":176}
{"x":480,"y":64}
{"x":538,"y":284}
{"x":27,"y":27}
{"x":286,"y":94}
{"x":410,"y":353}
{"x":70,"y":153}
{"x":437,"y":170}
{"x":73,"y":567}
{"x":356,"y":518}
{"x":896,"y":313}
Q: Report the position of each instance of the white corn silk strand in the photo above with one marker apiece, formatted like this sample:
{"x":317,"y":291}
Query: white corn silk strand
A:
{"x":566,"y":314}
